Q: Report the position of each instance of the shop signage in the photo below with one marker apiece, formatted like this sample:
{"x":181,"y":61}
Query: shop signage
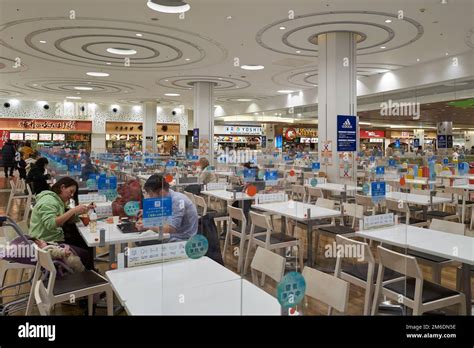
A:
{"x":238,"y":130}
{"x":45,"y":125}
{"x":50,"y":125}
{"x":290,"y":134}
{"x":294,"y":133}
{"x":365,"y":134}
{"x":442,"y":142}
{"x":346,"y":133}
{"x":4,"y":136}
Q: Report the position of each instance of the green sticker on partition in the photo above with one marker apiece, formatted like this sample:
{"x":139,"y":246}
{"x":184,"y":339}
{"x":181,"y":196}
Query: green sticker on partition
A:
{"x":111,"y":195}
{"x":131,"y":208}
{"x":291,"y":290}
{"x":91,"y":184}
{"x":261,"y":174}
{"x":197,"y":246}
{"x":313,"y":182}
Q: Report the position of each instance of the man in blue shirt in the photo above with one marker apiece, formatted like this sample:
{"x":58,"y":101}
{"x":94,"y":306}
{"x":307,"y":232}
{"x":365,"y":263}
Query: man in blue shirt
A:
{"x":184,"y":221}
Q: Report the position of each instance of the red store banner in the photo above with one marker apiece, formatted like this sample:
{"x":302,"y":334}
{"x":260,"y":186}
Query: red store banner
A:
{"x":366,"y":134}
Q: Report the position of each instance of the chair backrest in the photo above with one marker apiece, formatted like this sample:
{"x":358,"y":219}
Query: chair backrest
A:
{"x":201,"y":203}
{"x":448,"y":226}
{"x":268,"y":263}
{"x":260,"y":220}
{"x":327,"y":288}
{"x":298,"y":193}
{"x":420,"y":192}
{"x":44,"y":292}
{"x":456,"y":191}
{"x":354,"y":249}
{"x":354,"y":210}
{"x":190,"y":196}
{"x":397,"y":206}
{"x":237,"y":214}
{"x":365,"y":201}
{"x":325,"y":203}
{"x":308,"y":175}
{"x":401,"y":263}
{"x":314,"y":192}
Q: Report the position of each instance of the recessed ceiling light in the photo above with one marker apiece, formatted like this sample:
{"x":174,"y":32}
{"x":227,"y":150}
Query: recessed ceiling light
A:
{"x":252,"y":67}
{"x":299,"y":115}
{"x":383,"y":47}
{"x":35,"y":85}
{"x":187,"y":59}
{"x":417,"y":59}
{"x":298,"y":51}
{"x":82,"y":88}
{"x":42,"y":41}
{"x":172,"y":94}
{"x":78,"y":93}
{"x":121,"y":51}
{"x":229,"y":17}
{"x":220,"y":78}
{"x":98,"y":74}
{"x":388,"y":21}
{"x":285,"y":91}
{"x":138,"y":34}
{"x":244,"y":100}
{"x":108,"y":63}
{"x":166,"y":80}
{"x":73,"y":98}
{"x":447,"y":53}
{"x":306,"y":74}
{"x":167,"y":6}
{"x":282,"y":28}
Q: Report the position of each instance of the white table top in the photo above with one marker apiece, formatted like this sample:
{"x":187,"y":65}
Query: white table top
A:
{"x":113,"y":235}
{"x":418,"y":181}
{"x":229,"y":196}
{"x":297,"y":210}
{"x":469,"y":187}
{"x":336,"y":187}
{"x":416,"y":198}
{"x":219,"y":173}
{"x":456,"y":176}
{"x":203,"y":286}
{"x":433,"y":242}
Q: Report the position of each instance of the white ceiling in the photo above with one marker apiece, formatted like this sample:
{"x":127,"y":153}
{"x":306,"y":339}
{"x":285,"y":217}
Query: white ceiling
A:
{"x":211,"y":42}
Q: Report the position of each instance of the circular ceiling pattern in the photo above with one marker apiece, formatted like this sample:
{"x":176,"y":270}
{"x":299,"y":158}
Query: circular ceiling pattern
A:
{"x":9,"y":93}
{"x":75,"y":86}
{"x":8,"y":65}
{"x":239,"y":99}
{"x":298,"y":38}
{"x":84,"y":42}
{"x":160,"y":102}
{"x":187,"y":82}
{"x":307,"y":77}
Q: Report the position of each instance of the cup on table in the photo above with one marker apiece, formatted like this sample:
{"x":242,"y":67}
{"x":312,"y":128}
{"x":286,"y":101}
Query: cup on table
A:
{"x":85,"y":219}
{"x":116,"y":220}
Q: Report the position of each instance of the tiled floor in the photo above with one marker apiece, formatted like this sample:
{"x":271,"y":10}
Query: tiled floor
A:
{"x":311,"y":307}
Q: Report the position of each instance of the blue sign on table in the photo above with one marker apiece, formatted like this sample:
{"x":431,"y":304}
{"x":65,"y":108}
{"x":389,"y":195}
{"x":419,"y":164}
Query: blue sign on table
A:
{"x":379,"y":170}
{"x":271,"y":177}
{"x":445,"y":161}
{"x":346,"y":133}
{"x":378,"y":191}
{"x":171,"y":164}
{"x":391,"y":163}
{"x":157,"y":211}
{"x":149,"y":161}
{"x":316,"y":166}
{"x":287,"y":158}
{"x":249,"y":174}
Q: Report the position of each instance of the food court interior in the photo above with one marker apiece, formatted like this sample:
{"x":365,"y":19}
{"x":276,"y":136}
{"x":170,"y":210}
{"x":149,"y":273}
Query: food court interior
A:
{"x":237,"y":157}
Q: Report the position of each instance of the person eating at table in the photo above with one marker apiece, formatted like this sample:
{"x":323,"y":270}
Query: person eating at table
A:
{"x":184,"y":221}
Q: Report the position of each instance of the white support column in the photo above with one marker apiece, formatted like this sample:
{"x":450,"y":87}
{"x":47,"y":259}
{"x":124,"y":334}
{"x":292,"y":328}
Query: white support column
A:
{"x":337,"y":92}
{"x":149,"y":127}
{"x":204,"y":118}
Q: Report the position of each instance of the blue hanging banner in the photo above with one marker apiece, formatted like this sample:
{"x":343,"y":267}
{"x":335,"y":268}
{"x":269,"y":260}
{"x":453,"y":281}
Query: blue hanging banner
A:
{"x":171,"y":164}
{"x":149,"y":161}
{"x":346,"y":133}
{"x":157,"y":211}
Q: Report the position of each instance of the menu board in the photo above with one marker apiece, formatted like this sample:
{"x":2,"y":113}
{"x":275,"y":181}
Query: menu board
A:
{"x":59,"y":137}
{"x":31,"y":136}
{"x":16,"y":136}
{"x":45,"y":137}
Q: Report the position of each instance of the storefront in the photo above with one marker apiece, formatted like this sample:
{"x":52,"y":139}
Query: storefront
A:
{"x":49,"y":133}
{"x":238,"y":137}
{"x":372,"y":139}
{"x":123,"y":136}
{"x":167,"y":135}
{"x":303,"y":138}
{"x":410,"y":140}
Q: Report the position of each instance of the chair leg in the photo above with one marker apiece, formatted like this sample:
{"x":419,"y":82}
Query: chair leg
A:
{"x":247,"y":256}
{"x":369,"y":288}
{"x":240,"y":259}
{"x":458,"y":279}
{"x":300,"y":256}
{"x":462,"y":306}
{"x":90,"y":304}
{"x":110,"y":302}
{"x":226,"y":241}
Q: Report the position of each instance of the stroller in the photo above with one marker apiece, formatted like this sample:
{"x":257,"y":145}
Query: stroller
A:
{"x":19,"y":254}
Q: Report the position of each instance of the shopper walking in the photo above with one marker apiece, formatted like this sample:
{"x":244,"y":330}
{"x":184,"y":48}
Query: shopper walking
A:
{"x":8,"y":155}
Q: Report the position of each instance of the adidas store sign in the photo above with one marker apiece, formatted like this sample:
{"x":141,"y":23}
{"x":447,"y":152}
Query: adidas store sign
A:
{"x":346,"y":133}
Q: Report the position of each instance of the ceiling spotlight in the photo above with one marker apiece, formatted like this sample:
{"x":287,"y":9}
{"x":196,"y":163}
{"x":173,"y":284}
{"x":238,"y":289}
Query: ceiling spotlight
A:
{"x":417,"y":59}
{"x":121,"y":51}
{"x":444,"y":2}
{"x":383,"y":47}
{"x":282,"y":28}
{"x":42,"y":41}
{"x":168,"y":6}
{"x":252,"y":67}
{"x":166,"y":80}
{"x":187,"y":59}
{"x":82,"y":88}
{"x":35,"y":85}
{"x":388,"y":21}
{"x":298,"y":51}
{"x":108,"y":63}
{"x":97,"y":74}
{"x":172,"y":94}
{"x":73,"y":98}
{"x":244,"y":100}
{"x":285,"y":91}
{"x":229,"y":17}
{"x":139,"y":35}
{"x":447,"y":53}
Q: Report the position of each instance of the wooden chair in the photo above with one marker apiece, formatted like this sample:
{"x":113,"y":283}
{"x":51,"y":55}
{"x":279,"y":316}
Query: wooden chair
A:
{"x":366,"y":202}
{"x":314,"y":193}
{"x":77,"y":285}
{"x":267,"y":263}
{"x":435,"y":262}
{"x":404,"y":213}
{"x":240,"y":230}
{"x":460,"y":198}
{"x":270,"y":240}
{"x":332,"y":291}
{"x":18,"y":192}
{"x":220,"y":218}
{"x":412,"y":291}
{"x":190,"y":196}
{"x":298,"y":193}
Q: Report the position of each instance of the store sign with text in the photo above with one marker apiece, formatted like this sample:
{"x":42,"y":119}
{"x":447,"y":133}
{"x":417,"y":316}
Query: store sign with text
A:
{"x":46,"y":125}
{"x":291,"y":134}
{"x":238,"y":130}
{"x":367,"y":134}
{"x":346,"y":133}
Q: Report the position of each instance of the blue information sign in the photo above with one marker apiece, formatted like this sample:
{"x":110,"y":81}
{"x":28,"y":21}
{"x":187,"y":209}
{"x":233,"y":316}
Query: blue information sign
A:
{"x":346,"y":133}
{"x":416,"y":142}
{"x":149,"y":161}
{"x":249,"y":174}
{"x":316,"y":166}
{"x":157,"y":211}
{"x":171,"y":164}
{"x":380,"y":171}
{"x":271,"y":177}
{"x":442,"y":142}
{"x":378,"y":191}
{"x":391,"y":163}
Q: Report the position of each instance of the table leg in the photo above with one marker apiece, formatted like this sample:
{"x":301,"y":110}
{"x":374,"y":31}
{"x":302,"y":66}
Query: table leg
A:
{"x":111,"y":254}
{"x":425,"y":212}
{"x":309,"y":231}
{"x":283,"y":225}
{"x":466,"y":279}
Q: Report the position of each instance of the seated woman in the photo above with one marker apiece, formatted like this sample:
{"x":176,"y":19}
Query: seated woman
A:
{"x":206,"y":176}
{"x":37,"y":176}
{"x":52,"y":221}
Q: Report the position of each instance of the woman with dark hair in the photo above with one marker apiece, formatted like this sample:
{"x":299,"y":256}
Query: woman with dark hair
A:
{"x":53,"y":221}
{"x":37,"y":176}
